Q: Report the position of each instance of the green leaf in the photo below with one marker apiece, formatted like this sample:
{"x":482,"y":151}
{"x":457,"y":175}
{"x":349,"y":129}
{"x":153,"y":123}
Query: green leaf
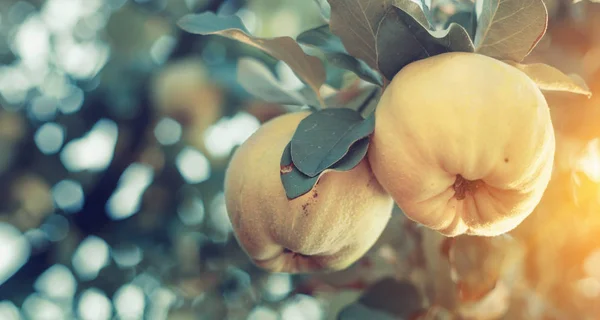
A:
{"x":415,"y":11}
{"x":322,"y":38}
{"x":310,"y":69}
{"x":467,"y":19}
{"x":549,"y":78}
{"x":258,"y":80}
{"x":354,"y":156}
{"x":210,"y":23}
{"x":359,"y":67}
{"x":403,"y":40}
{"x":296,"y":183}
{"x":335,"y":53}
{"x":325,"y":137}
{"x":357,"y":23}
{"x":510,"y":29}
{"x":454,"y":38}
{"x":363,"y":98}
{"x":427,"y":12}
{"x":325,"y":9}
{"x":310,"y":97}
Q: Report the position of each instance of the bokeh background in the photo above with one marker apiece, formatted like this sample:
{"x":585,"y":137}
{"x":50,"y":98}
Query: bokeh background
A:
{"x":115,"y":131}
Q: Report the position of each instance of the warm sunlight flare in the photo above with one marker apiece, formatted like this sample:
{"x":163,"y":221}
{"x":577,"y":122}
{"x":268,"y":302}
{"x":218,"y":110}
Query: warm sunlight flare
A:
{"x":589,"y":163}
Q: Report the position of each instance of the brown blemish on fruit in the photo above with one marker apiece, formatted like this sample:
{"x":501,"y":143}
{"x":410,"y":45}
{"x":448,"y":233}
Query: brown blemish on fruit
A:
{"x":463,"y":186}
{"x":506,"y":160}
{"x":305,"y":208}
{"x":286,"y":169}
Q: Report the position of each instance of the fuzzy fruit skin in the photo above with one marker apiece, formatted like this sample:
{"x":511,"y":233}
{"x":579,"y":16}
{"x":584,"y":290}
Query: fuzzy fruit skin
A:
{"x":327,"y":229}
{"x":470,"y":115}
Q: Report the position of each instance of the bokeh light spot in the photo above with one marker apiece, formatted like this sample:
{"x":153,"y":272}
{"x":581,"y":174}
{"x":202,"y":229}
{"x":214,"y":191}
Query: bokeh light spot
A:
{"x":32,"y":42}
{"x":590,"y":162}
{"x":263,"y":313}
{"x":8,"y":311}
{"x":14,"y":250}
{"x":126,"y":200}
{"x":129,"y":302}
{"x":168,"y":131}
{"x":302,"y":307}
{"x":68,"y":195}
{"x":94,"y":305}
{"x":90,"y":257}
{"x":191,"y":210}
{"x":127,"y":255}
{"x":94,"y":151}
{"x":72,"y":101}
{"x":55,"y":227}
{"x":57,"y":282}
{"x":37,"y":307}
{"x":228,"y":133}
{"x":43,"y":108}
{"x":193,"y":166}
{"x":589,"y":288}
{"x":278,"y":286}
{"x":49,"y":138}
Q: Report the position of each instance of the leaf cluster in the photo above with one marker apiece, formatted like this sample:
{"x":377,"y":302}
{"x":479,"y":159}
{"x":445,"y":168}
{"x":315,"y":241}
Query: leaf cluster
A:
{"x":374,"y":39}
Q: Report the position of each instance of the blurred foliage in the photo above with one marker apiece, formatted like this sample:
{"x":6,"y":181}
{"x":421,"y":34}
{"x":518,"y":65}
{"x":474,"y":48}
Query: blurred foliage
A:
{"x":115,"y":131}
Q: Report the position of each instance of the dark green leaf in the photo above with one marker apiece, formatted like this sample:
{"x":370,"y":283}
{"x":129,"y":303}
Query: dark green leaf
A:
{"x":467,"y":19}
{"x":322,"y":38}
{"x":308,"y":68}
{"x":297,"y":183}
{"x":294,"y":182}
{"x":209,"y":23}
{"x":258,"y":80}
{"x":311,"y":98}
{"x":359,"y":67}
{"x":549,"y":78}
{"x":415,"y":11}
{"x":404,"y":40}
{"x":510,"y":29}
{"x":354,"y":156}
{"x":455,"y":38}
{"x":324,"y":137}
{"x":358,"y":311}
{"x":335,"y":53}
{"x":357,"y":23}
